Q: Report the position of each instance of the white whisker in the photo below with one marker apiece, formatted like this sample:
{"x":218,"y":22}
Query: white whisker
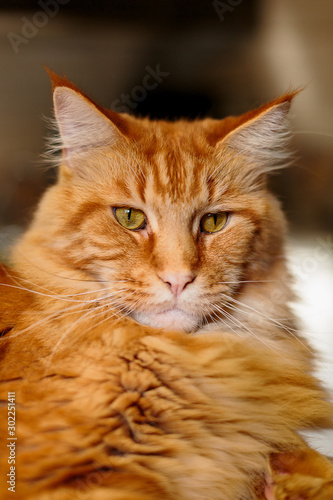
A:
{"x":277,"y":323}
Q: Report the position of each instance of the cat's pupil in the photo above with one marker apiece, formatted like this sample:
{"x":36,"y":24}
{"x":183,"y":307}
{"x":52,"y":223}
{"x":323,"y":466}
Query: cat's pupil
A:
{"x":129,"y":212}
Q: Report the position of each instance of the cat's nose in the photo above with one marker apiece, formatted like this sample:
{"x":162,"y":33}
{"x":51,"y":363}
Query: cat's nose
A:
{"x":177,"y":281}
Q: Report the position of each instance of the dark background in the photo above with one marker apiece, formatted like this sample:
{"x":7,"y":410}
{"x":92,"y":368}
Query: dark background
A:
{"x":220,"y":57}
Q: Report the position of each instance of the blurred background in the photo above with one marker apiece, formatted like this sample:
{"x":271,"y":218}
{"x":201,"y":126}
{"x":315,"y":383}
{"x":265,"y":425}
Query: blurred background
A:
{"x":182,"y":58}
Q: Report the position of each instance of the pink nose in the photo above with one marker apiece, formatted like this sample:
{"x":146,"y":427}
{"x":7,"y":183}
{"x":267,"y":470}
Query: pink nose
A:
{"x":177,"y":281}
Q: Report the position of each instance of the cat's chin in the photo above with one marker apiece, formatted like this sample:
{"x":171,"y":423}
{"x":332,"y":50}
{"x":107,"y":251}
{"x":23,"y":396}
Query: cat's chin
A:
{"x":174,"y":319}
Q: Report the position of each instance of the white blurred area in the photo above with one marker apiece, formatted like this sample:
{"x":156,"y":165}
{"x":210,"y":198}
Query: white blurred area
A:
{"x":311,"y":261}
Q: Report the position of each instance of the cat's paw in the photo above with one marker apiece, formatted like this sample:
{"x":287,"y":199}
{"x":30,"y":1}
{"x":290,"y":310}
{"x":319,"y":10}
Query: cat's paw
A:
{"x":301,"y":475}
{"x":299,"y":487}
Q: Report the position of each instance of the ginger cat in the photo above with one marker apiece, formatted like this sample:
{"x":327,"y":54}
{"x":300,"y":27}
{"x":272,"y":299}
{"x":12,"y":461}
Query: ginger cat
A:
{"x":142,"y":335}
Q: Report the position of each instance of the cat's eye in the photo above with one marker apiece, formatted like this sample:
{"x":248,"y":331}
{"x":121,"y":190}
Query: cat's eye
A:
{"x":211,"y":223}
{"x":131,"y":218}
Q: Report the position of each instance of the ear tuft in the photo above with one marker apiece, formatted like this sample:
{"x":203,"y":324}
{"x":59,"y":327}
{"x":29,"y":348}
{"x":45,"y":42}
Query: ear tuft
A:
{"x":60,"y":81}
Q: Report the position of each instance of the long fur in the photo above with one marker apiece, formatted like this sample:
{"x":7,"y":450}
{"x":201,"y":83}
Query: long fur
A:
{"x":123,"y":411}
{"x":123,"y":389}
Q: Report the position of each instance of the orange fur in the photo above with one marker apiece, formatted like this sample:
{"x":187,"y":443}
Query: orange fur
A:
{"x":125,"y":390}
{"x":117,"y":409}
{"x":13,"y":299}
{"x":304,"y":472}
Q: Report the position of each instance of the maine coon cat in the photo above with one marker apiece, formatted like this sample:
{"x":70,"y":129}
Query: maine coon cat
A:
{"x":148,"y":334}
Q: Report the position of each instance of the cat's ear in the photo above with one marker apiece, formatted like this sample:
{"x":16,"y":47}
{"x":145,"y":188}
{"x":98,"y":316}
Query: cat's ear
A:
{"x":82,"y":126}
{"x":259,"y":140}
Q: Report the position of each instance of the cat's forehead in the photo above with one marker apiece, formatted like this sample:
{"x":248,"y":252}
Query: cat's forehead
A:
{"x":173,"y":162}
{"x":173,"y":169}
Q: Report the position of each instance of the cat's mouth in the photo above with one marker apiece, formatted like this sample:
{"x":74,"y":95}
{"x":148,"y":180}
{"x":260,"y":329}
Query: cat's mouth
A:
{"x":169,"y":319}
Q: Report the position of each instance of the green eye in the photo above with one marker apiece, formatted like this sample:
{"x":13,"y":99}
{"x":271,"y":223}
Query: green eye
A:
{"x":211,"y":223}
{"x":131,"y":218}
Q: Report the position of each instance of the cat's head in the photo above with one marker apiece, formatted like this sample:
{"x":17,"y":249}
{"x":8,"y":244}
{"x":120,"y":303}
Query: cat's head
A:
{"x":170,"y":219}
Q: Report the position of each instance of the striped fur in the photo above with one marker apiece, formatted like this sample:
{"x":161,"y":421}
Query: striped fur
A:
{"x":174,"y":173}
